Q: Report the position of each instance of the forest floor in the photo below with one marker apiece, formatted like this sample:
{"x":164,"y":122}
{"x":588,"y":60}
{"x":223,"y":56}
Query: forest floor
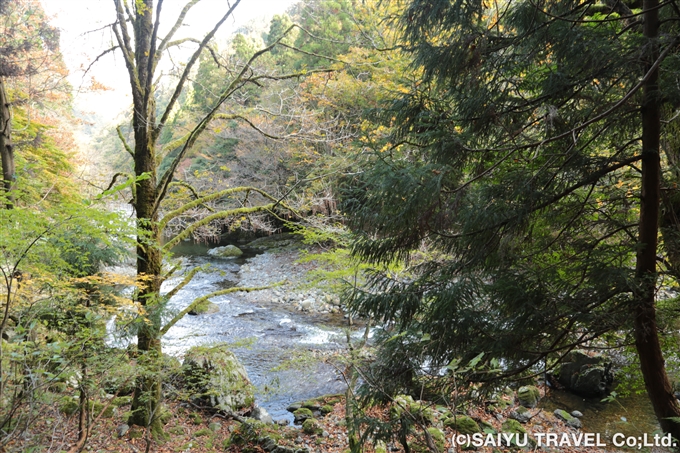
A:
{"x":192,"y":430}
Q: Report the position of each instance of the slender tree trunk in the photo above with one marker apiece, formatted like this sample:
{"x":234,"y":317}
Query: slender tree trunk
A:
{"x":147,"y":396}
{"x":652,"y":363}
{"x":6,"y":146}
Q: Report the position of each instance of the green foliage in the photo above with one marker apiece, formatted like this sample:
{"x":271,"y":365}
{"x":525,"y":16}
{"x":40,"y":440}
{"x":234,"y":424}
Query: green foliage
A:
{"x":329,"y":23}
{"x":512,"y":163}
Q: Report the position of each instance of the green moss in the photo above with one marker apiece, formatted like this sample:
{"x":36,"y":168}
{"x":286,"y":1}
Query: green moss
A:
{"x":204,"y":307}
{"x":303,"y":413}
{"x":196,"y":418}
{"x":513,"y":426}
{"x":121,"y":401}
{"x":417,"y":409}
{"x":203,"y":432}
{"x":438,"y":437}
{"x":463,"y":424}
{"x":311,"y":426}
{"x":327,"y":409}
{"x":528,"y":396}
{"x":68,"y":405}
{"x":136,"y":433}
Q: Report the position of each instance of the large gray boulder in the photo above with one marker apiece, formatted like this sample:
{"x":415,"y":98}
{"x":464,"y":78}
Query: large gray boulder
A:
{"x":215,"y":377}
{"x":228,"y":251}
{"x":585,"y":374}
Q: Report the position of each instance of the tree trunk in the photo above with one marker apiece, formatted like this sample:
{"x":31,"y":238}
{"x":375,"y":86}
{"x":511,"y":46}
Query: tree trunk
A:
{"x":6,"y":146}
{"x":652,"y":363}
{"x":147,"y":396}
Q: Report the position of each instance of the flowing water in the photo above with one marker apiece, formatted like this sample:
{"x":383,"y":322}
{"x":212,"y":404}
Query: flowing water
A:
{"x":286,"y":353}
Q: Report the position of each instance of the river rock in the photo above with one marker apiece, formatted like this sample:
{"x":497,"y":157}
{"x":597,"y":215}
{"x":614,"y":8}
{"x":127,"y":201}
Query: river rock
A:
{"x":568,"y":420}
{"x":215,"y":376}
{"x":521,"y":414}
{"x":528,"y":396}
{"x":228,"y":251}
{"x":259,"y":413}
{"x":585,"y":374}
{"x":205,"y":308}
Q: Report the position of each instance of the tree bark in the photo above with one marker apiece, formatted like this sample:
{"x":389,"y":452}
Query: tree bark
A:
{"x":647,"y":343}
{"x":147,"y":394}
{"x":6,"y":147}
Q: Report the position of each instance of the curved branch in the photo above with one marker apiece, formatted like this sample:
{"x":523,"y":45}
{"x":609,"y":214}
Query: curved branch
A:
{"x":187,"y":69}
{"x":191,"y":189}
{"x":173,"y":30}
{"x":197,"y":301}
{"x":214,"y":196}
{"x":125,"y":144}
{"x":185,"y":281}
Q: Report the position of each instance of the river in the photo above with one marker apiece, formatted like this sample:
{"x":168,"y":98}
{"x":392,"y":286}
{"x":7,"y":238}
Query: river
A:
{"x":288,"y":354}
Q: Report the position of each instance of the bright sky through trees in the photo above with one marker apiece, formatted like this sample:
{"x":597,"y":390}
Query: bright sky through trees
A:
{"x":81,"y":44}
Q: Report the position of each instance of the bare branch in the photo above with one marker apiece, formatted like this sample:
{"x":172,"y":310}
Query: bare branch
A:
{"x":173,"y":30}
{"x":124,"y":42}
{"x":113,"y":180}
{"x":235,"y":84}
{"x":191,"y":189}
{"x":187,"y":69}
{"x":97,"y":59}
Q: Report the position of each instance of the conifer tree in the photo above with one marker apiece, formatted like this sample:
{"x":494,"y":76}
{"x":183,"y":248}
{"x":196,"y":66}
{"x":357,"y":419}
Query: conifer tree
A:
{"x":528,"y":161}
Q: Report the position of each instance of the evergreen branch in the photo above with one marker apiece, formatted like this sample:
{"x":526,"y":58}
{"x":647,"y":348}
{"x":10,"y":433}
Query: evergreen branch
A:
{"x":652,"y":70}
{"x":125,"y":143}
{"x":197,"y":301}
{"x":206,"y":220}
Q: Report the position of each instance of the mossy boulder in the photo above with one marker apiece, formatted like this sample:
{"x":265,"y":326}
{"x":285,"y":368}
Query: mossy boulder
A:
{"x":228,"y":251}
{"x":420,"y":410}
{"x":302,"y":414}
{"x":204,"y":308}
{"x":528,"y":396}
{"x":214,"y":376}
{"x":567,"y":418}
{"x":586,"y":374}
{"x":311,"y":426}
{"x":463,"y":424}
{"x":514,"y":427}
{"x":521,"y":414}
